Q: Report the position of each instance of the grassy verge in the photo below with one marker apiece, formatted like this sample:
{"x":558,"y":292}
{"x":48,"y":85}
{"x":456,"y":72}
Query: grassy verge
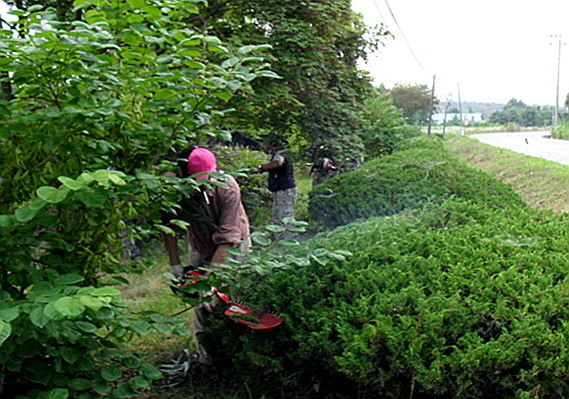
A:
{"x":458,"y":131}
{"x":543,"y":184}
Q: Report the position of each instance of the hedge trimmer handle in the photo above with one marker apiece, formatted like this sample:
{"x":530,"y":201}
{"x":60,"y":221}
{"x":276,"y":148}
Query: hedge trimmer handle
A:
{"x":236,"y":310}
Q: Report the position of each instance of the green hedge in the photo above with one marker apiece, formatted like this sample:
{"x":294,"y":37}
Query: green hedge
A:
{"x":423,"y":172}
{"x":454,"y":300}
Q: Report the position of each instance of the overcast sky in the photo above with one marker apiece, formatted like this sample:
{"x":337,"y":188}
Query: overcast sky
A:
{"x":488,"y":50}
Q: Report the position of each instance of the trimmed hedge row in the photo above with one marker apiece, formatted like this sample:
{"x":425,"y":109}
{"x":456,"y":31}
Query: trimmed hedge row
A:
{"x":457,"y":299}
{"x":421,"y":173}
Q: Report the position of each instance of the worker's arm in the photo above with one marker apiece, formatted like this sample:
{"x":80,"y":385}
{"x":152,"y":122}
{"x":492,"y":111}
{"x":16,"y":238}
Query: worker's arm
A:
{"x":171,"y":245}
{"x":277,"y":161}
{"x":221,"y":254}
{"x":270,"y":165}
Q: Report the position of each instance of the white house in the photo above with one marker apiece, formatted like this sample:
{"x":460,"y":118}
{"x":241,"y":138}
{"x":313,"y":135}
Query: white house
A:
{"x":467,"y":118}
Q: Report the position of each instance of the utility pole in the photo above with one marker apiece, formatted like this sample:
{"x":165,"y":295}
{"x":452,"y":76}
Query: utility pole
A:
{"x":445,"y":118}
{"x":462,"y":132}
{"x":556,"y":110}
{"x":431,"y":106}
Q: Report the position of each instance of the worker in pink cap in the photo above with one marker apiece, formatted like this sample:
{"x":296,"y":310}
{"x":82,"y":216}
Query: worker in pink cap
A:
{"x":217,"y":222}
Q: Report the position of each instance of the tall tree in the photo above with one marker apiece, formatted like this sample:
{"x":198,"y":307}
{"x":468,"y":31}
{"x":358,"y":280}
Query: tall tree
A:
{"x":384,"y":127}
{"x":414,"y":100}
{"x":316,"y":48}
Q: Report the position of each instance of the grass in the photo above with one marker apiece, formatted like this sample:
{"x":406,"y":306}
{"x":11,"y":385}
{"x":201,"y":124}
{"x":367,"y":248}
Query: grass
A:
{"x":543,"y":184}
{"x":148,"y":290}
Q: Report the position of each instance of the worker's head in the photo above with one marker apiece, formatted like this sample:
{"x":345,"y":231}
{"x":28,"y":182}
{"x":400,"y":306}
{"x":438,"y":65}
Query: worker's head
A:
{"x":196,"y":159}
{"x":272,"y":141}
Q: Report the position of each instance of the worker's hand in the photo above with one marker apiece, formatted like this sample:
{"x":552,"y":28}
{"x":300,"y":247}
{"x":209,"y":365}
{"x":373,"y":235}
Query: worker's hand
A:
{"x":258,"y":169}
{"x":177,"y":270}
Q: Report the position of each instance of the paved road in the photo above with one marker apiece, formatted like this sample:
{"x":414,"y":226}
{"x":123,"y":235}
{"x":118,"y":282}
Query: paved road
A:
{"x":534,"y":144}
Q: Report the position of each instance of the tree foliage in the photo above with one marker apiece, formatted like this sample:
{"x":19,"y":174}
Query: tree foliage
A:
{"x":384,"y":126}
{"x":518,"y":113}
{"x":316,"y":47}
{"x":414,"y":100}
{"x":63,"y":8}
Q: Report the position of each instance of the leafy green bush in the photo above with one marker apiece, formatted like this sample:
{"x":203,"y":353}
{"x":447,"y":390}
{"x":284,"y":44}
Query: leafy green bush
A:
{"x":384,"y":126}
{"x":561,"y":130}
{"x":454,"y":300}
{"x":410,"y":178}
{"x":62,"y":323}
{"x":87,"y":110}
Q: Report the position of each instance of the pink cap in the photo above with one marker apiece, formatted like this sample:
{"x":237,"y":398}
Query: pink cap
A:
{"x":201,"y":160}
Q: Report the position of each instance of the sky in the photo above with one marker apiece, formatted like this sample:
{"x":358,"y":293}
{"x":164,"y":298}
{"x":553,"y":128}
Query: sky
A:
{"x":483,"y":51}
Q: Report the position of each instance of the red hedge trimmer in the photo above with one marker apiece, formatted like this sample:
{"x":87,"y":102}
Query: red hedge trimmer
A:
{"x":236,"y":310}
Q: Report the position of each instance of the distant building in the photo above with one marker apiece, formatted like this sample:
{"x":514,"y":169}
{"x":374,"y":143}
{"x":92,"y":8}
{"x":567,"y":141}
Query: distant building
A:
{"x":467,"y":118}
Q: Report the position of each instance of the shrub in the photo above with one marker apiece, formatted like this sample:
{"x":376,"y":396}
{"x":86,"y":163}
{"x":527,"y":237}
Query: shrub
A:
{"x":409,"y":178}
{"x":454,"y":300}
{"x":90,"y":107}
{"x":560,"y":131}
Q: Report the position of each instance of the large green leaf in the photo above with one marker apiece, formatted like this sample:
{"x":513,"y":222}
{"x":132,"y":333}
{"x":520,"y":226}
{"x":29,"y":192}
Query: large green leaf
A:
{"x":9,"y":312}
{"x":90,"y":197}
{"x":224,"y":95}
{"x":124,"y":390}
{"x":70,"y":355}
{"x":37,"y":204}
{"x":5,"y":331}
{"x":86,"y":326}
{"x":70,"y":183}
{"x":25,"y":214}
{"x":106,"y":291}
{"x":7,"y":221}
{"x":149,"y":371}
{"x":68,"y":279}
{"x":39,"y":318}
{"x":110,"y":373}
{"x":69,"y":306}
{"x":53,"y":195}
{"x":136,"y":3}
{"x":91,"y":302}
{"x":57,"y":393}
{"x":163,"y":94}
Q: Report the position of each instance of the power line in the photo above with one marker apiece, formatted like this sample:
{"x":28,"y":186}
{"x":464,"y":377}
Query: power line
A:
{"x":379,"y":11}
{"x":403,"y":35}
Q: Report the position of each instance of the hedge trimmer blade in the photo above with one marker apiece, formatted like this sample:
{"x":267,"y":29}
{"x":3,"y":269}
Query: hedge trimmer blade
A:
{"x":236,"y":310}
{"x":244,"y":314}
{"x":190,"y":277}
